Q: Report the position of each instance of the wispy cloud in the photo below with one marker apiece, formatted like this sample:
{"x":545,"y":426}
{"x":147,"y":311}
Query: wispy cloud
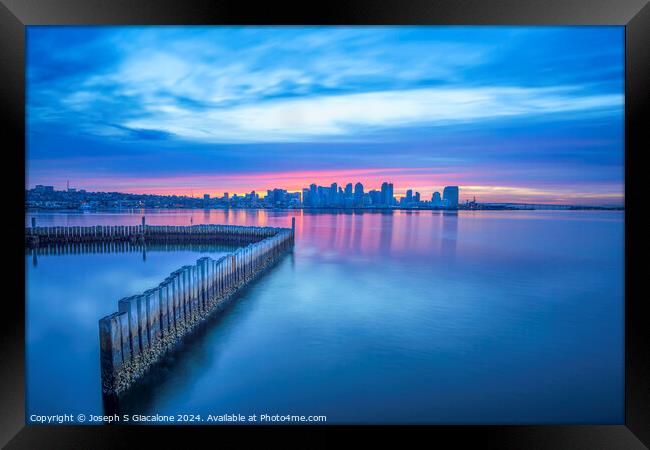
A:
{"x":317,"y":83}
{"x":347,"y":115}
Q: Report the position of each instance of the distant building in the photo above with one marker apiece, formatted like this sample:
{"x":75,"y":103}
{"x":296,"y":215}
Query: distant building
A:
{"x":436,"y":200}
{"x":333,"y":192}
{"x":376,"y":197}
{"x":206,"y":197}
{"x":450,"y":197}
{"x":277,"y":196}
{"x":358,"y":194}
{"x":313,"y":194}
{"x":384,"y":193}
{"x":306,"y":197}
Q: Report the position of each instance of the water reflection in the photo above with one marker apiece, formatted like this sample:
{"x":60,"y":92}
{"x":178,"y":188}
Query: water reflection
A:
{"x":366,"y":232}
{"x":76,"y":248}
{"x":196,"y":351}
{"x":69,"y":288}
{"x":375,"y":317}
{"x":449,"y":238}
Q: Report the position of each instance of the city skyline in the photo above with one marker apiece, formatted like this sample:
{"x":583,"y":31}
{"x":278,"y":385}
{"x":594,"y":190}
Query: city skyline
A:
{"x":221,"y":193}
{"x":348,"y":196}
{"x":510,"y":114}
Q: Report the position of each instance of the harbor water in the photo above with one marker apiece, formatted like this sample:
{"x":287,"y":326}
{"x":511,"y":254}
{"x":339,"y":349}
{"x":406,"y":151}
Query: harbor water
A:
{"x":375,"y":317}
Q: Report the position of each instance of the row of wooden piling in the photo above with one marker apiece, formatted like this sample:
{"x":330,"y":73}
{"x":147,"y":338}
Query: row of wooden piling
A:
{"x":149,"y":324}
{"x":102,"y":233}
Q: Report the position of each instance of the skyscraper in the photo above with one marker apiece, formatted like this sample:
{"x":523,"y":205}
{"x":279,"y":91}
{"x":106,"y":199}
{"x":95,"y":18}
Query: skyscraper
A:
{"x":333,"y":191}
{"x":409,"y":196}
{"x":435,"y":199}
{"x":358,"y":194}
{"x":375,"y":197}
{"x":348,"y":190}
{"x":450,"y":196}
{"x":390,"y":198}
{"x":313,"y":194}
{"x":384,"y":193}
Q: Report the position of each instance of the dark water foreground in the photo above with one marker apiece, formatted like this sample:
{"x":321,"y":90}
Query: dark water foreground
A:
{"x":489,"y":317}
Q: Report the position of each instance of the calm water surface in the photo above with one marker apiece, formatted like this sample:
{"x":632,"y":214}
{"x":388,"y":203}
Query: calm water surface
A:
{"x":469,"y":317}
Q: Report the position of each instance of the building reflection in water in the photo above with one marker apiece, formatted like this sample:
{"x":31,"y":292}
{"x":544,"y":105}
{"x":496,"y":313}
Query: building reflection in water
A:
{"x":386,"y":233}
{"x":449,"y":238}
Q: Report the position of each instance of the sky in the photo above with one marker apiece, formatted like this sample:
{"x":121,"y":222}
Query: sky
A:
{"x":509,"y":114}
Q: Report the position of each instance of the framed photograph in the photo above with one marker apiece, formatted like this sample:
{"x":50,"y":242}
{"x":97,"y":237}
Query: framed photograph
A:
{"x":403,"y":220}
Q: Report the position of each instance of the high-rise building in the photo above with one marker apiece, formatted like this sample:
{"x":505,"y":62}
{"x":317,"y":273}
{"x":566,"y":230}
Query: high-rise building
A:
{"x":436,"y":200}
{"x":333,"y":191}
{"x":276,"y":196}
{"x":358,"y":194}
{"x":348,"y":190}
{"x":313,"y":194}
{"x":416,"y":199}
{"x":450,"y":197}
{"x":409,"y":196}
{"x":206,"y":197}
{"x":384,"y":193}
{"x":390,"y":198}
{"x":376,"y":197}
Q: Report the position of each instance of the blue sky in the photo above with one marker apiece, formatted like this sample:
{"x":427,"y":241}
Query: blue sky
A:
{"x":508,"y":113}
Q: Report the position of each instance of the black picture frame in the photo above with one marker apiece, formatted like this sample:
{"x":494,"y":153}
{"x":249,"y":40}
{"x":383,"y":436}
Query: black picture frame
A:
{"x":15,"y":15}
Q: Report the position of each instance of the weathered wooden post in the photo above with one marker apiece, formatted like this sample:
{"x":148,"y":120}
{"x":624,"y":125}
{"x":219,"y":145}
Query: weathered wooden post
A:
{"x":194,"y":277}
{"x":153,"y":315}
{"x":179,"y":313}
{"x":185,"y":291}
{"x":219,"y":281}
{"x":162,"y":304}
{"x":171,"y":314}
{"x":143,"y":331}
{"x":206,"y":283}
{"x":125,"y":337}
{"x":129,"y":305}
{"x":110,"y":350}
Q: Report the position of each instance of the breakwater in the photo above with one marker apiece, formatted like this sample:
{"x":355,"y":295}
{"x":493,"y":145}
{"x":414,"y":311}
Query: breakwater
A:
{"x":148,"y":325}
{"x":38,"y":236}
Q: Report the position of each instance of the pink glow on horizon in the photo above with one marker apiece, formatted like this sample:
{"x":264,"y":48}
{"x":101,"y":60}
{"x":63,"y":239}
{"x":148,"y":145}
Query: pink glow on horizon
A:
{"x":423,"y":180}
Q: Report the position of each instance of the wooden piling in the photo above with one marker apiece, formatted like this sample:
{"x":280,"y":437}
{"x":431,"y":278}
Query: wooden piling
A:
{"x":148,"y":323}
{"x":110,"y":347}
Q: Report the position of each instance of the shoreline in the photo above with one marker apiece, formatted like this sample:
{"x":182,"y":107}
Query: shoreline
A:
{"x":518,"y":207}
